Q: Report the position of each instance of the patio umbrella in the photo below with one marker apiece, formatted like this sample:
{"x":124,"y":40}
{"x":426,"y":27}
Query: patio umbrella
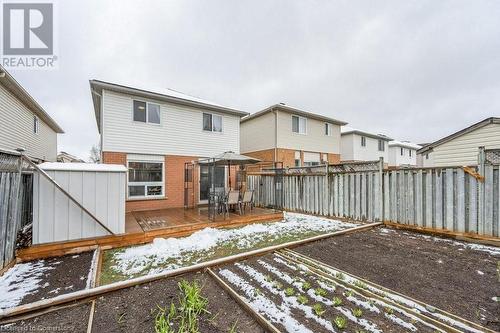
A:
{"x":230,"y":158}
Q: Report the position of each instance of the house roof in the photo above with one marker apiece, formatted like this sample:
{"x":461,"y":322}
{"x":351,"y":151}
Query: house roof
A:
{"x":293,"y":110}
{"x":349,"y":130}
{"x":160,"y":94}
{"x":487,"y":121}
{"x":17,"y":90}
{"x":404,"y":144}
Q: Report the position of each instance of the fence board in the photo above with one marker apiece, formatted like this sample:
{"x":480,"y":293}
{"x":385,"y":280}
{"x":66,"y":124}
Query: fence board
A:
{"x":447,"y":199}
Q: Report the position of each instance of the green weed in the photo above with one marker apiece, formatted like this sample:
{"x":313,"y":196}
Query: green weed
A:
{"x":337,"y":301}
{"x":318,"y":309}
{"x":340,"y":322}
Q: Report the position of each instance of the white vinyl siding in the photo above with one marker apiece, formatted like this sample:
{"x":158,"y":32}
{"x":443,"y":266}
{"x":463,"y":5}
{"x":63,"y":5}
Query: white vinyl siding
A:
{"x":179,"y":133}
{"x":315,"y":139}
{"x":17,"y":129}
{"x":351,"y":149}
{"x":463,"y":149}
{"x":258,"y":133}
{"x":399,"y":156}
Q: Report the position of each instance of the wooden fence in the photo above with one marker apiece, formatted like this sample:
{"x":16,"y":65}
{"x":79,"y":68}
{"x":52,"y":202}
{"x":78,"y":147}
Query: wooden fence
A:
{"x":440,"y":198}
{"x":15,"y":203}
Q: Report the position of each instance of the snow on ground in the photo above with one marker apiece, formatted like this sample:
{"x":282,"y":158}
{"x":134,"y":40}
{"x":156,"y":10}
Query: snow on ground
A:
{"x":21,"y":280}
{"x":135,"y":260}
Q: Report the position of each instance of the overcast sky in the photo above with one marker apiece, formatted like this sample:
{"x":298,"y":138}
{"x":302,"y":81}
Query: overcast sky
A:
{"x":414,"y":70}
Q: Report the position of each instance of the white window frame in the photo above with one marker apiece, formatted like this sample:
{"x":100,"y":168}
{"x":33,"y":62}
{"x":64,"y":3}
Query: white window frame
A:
{"x":329,"y":129}
{"x":145,"y":184}
{"x":36,"y":125}
{"x":212,"y":130}
{"x":363,"y":141}
{"x":403,"y":152}
{"x":305,"y":125}
{"x":147,"y":112}
{"x":381,"y":144}
{"x":409,"y":151}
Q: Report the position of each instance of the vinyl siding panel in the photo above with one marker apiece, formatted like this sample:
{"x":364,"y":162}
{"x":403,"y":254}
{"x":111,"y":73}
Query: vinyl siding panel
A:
{"x":368,"y":153}
{"x":464,"y":149}
{"x":16,"y":129}
{"x":314,"y":140}
{"x":395,"y":158}
{"x":258,"y":133}
{"x":180,"y":132}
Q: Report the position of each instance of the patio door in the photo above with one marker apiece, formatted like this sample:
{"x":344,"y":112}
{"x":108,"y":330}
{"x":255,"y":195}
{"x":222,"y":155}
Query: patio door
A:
{"x":220,"y":181}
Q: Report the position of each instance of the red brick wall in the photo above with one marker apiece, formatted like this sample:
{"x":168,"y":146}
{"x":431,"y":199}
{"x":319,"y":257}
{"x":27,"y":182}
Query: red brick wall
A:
{"x":287,"y":156}
{"x":109,"y":157}
{"x":174,"y":183}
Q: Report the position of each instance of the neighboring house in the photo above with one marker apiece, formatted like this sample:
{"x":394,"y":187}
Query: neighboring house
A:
{"x":24,"y":123}
{"x":65,"y":157}
{"x":281,"y":133}
{"x":154,"y":132}
{"x":358,"y":145}
{"x":402,"y":153}
{"x":461,"y":148}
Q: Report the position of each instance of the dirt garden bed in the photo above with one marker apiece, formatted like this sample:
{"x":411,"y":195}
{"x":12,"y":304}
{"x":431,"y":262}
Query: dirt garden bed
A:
{"x":46,"y":278}
{"x":296,"y":299}
{"x":461,"y":278}
{"x":134,"y":309}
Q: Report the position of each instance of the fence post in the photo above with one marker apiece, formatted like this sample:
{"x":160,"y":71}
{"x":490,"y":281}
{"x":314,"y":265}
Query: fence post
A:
{"x":380,"y":203}
{"x":480,"y":194}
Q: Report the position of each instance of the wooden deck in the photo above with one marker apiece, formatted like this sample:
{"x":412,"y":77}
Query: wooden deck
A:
{"x":145,"y":221}
{"x":143,"y":227}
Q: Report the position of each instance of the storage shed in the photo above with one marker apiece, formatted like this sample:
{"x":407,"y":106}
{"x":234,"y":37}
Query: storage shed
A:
{"x":99,"y":188}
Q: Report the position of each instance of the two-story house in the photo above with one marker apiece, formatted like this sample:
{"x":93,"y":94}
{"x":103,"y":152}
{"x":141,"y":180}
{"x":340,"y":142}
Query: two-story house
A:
{"x":403,"y":153}
{"x":154,"y":132}
{"x":359,"y":145}
{"x":24,"y":123}
{"x":295,"y":137}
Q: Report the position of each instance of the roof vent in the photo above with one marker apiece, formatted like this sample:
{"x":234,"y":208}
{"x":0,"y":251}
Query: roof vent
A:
{"x":281,"y":103}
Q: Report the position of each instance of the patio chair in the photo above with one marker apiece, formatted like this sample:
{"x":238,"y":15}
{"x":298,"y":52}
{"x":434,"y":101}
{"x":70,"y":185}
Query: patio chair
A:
{"x":247,"y":200}
{"x":233,"y":199}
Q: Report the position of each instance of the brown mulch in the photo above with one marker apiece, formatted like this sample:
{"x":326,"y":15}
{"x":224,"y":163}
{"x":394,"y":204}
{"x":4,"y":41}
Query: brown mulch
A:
{"x":454,"y":278}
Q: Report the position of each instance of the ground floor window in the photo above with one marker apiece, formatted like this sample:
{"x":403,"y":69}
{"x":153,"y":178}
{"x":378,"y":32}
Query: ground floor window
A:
{"x":145,"y":179}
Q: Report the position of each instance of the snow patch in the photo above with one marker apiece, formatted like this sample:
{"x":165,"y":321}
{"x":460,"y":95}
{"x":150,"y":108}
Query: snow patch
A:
{"x":153,"y":257}
{"x":21,"y":280}
{"x":277,"y":314}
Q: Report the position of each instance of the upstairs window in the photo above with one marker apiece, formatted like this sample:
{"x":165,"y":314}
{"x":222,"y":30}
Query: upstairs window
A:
{"x":145,"y":179}
{"x":381,"y":145}
{"x":328,"y":129}
{"x":299,"y":124}
{"x":403,"y":151}
{"x":426,"y":156}
{"x":212,"y":122}
{"x":409,"y":151}
{"x":36,"y":125}
{"x":146,"y":112}
{"x":363,"y":141}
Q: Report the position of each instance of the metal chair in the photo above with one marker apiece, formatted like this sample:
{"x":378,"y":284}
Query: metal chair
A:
{"x":247,"y":200}
{"x":233,"y":198}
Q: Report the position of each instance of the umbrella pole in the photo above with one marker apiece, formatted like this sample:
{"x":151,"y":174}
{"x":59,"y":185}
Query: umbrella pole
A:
{"x":229,"y":171}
